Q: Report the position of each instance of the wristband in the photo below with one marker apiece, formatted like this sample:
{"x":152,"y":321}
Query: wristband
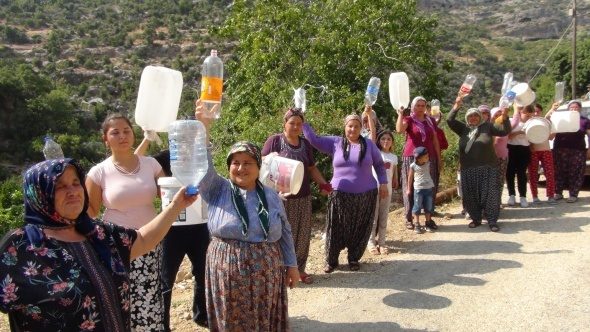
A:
{"x":326,"y":187}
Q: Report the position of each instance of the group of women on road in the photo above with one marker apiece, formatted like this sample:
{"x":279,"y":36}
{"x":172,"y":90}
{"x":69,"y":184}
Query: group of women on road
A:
{"x":64,"y":270}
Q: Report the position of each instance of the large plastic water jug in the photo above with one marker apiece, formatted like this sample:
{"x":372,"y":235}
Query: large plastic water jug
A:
{"x":188,"y":153}
{"x":158,"y":98}
{"x":194,"y":214}
{"x":565,"y":121}
{"x":399,"y":90}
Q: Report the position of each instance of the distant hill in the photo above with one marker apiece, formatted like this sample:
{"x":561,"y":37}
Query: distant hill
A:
{"x":521,"y":19}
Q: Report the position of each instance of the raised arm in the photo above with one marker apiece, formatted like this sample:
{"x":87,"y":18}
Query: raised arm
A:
{"x":400,"y":124}
{"x":149,"y":235}
{"x":324,"y":144}
{"x":504,"y":128}
{"x":456,"y":126}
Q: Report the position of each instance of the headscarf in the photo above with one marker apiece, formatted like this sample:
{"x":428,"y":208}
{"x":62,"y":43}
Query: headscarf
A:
{"x":351,"y":117}
{"x":346,"y":145}
{"x":473,"y":130}
{"x":419,"y":124}
{"x":238,"y":200}
{"x":39,"y":191}
{"x":483,"y":108}
{"x":246,"y":147}
{"x":291,"y":112}
{"x":575,"y":101}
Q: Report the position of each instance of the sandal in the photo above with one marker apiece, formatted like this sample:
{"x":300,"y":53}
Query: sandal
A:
{"x":494,"y":227}
{"x":354,"y":266}
{"x":305,"y":278}
{"x":374,"y":250}
{"x":329,"y":268}
{"x":384,"y":250}
{"x":409,"y":225}
{"x":474,"y":224}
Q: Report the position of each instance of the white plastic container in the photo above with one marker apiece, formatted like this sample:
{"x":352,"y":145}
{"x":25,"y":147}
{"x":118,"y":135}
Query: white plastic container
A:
{"x":524,"y":96}
{"x":565,"y":121}
{"x":158,"y":98}
{"x":537,"y":130}
{"x":192,"y":215}
{"x":283,"y":174}
{"x":399,"y":90}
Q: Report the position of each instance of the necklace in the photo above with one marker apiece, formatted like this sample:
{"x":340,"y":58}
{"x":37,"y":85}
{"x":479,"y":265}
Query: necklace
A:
{"x":126,"y":172}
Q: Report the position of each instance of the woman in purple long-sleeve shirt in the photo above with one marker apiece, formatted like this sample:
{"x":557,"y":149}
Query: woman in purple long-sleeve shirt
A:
{"x":352,"y":203}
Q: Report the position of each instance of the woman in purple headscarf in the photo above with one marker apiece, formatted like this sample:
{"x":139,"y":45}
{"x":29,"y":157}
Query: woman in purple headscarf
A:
{"x":351,"y":206}
{"x":420,"y":130}
{"x":63,"y":271}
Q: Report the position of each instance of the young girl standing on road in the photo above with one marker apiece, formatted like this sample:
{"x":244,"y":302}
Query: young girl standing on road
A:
{"x":379,"y":231}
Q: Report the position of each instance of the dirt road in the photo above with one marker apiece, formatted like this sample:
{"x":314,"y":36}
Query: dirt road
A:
{"x":531,"y":276}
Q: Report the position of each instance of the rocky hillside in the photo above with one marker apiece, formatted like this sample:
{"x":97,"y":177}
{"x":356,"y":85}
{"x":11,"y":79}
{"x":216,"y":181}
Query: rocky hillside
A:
{"x":522,"y":19}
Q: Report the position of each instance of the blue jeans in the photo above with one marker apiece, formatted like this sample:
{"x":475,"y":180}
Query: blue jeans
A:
{"x":423,"y":199}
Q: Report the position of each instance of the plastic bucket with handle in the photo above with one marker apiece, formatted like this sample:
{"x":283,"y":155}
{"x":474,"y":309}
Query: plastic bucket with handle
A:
{"x":537,"y":130}
{"x":283,"y":174}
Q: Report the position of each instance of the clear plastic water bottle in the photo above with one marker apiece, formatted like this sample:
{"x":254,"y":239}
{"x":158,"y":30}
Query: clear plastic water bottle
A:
{"x":372,"y":91}
{"x":188,"y":153}
{"x":299,"y":99}
{"x":468,"y":84}
{"x":559,"y":87}
{"x":52,"y":150}
{"x":212,"y":84}
{"x":434,"y":107}
{"x":508,"y":77}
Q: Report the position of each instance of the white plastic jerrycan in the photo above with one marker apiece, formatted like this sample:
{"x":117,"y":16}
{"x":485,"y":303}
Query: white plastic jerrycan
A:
{"x":399,"y":90}
{"x":565,"y":121}
{"x":158,"y":98}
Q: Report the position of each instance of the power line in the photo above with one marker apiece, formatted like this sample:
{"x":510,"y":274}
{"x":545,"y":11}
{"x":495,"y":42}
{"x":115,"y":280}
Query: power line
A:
{"x":552,"y":51}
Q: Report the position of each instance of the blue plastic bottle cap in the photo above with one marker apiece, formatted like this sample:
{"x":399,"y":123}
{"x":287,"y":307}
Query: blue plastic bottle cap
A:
{"x":192,"y":190}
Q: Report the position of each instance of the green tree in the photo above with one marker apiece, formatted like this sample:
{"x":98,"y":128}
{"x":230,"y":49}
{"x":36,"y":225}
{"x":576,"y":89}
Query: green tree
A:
{"x":337,"y":44}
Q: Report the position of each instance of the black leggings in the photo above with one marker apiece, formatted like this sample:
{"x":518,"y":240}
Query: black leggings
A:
{"x":518,"y":160}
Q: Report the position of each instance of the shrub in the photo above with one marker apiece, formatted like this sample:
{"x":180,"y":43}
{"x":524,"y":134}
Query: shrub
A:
{"x":11,"y":204}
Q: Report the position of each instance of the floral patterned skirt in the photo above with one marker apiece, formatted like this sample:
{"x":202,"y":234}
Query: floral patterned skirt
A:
{"x":245,"y":286}
{"x":147,"y":301}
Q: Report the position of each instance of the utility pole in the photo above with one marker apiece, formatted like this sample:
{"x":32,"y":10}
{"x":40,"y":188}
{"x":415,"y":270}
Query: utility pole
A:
{"x":574,"y":65}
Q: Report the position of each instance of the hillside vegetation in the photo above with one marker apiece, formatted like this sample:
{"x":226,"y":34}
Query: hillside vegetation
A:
{"x":65,"y":64}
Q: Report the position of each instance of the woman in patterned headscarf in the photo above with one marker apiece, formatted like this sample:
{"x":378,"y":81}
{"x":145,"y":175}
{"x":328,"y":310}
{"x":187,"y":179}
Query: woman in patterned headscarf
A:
{"x":351,"y":206}
{"x":420,"y":130}
{"x":291,"y":145}
{"x":63,"y":271}
{"x":251,"y":258}
{"x":480,"y":178}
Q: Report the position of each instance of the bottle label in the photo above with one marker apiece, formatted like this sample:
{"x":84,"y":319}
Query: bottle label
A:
{"x":466,"y":88}
{"x":211,"y":89}
{"x":373,"y":90}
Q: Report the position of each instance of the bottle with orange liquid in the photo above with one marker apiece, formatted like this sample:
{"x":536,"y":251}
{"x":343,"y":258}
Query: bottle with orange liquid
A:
{"x":212,"y":84}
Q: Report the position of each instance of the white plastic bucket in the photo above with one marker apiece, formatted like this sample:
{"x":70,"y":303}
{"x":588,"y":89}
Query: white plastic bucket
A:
{"x":399,"y":90}
{"x":565,"y":121}
{"x":158,"y":98}
{"x":524,"y":95}
{"x":537,"y":130}
{"x":283,"y":174}
{"x":192,"y":215}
